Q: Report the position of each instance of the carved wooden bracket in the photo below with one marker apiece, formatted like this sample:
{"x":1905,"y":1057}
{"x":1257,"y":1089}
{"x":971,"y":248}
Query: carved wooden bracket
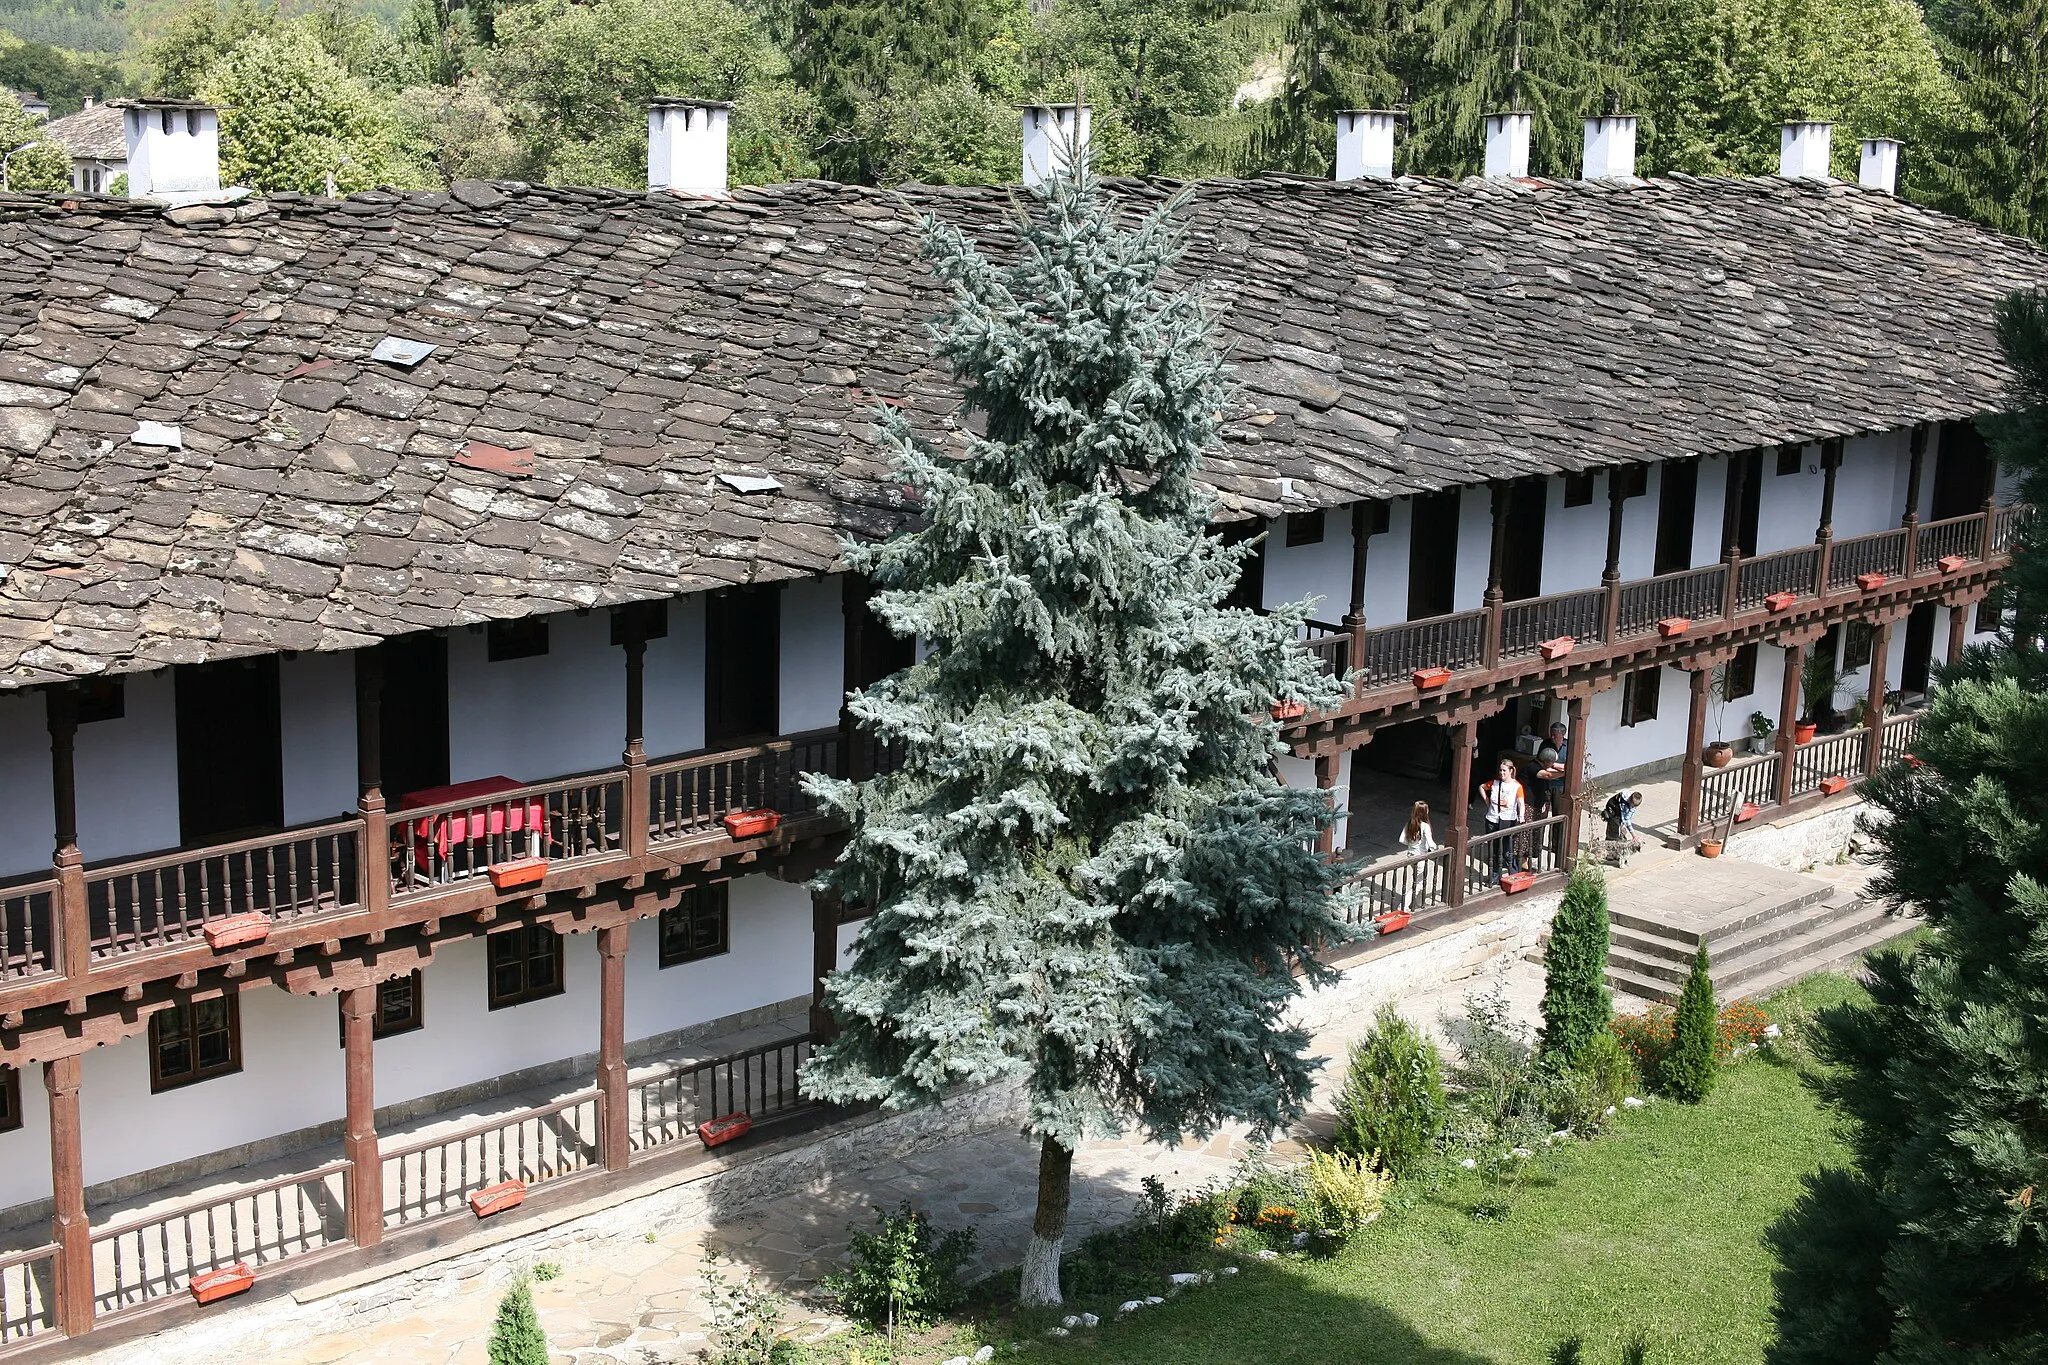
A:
{"x":368,"y":967}
{"x":1803,"y":635}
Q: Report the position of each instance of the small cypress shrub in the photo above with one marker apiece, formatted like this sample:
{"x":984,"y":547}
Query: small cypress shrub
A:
{"x":1688,"y":1070}
{"x":516,"y":1338}
{"x":1392,"y":1106}
{"x":1577,"y":1006}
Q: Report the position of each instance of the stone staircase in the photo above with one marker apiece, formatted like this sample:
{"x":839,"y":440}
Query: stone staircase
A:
{"x":1764,"y":928}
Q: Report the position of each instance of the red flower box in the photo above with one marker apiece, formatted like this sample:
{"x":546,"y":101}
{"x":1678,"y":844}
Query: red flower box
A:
{"x":1288,"y":710}
{"x":506,"y":1194}
{"x":1671,"y":627}
{"x":1778,"y":601}
{"x":1511,"y":882}
{"x":716,"y":1132}
{"x":746,"y":824}
{"x":221,"y":1283}
{"x":1747,"y":813}
{"x":1834,"y":786}
{"x":236,"y":931}
{"x":518,"y":872}
{"x":1394,"y":923}
{"x":1870,"y":582}
{"x":1912,"y":760}
{"x":1951,"y":563}
{"x":1427,"y":678}
{"x":1555,"y":649}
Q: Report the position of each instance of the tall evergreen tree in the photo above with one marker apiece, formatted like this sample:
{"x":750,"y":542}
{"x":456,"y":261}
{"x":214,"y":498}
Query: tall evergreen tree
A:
{"x":1344,"y":54}
{"x":849,"y":53}
{"x":1084,"y":873}
{"x":1688,"y":1070}
{"x":1577,"y":1006}
{"x":1992,"y":165}
{"x":1934,"y":1246}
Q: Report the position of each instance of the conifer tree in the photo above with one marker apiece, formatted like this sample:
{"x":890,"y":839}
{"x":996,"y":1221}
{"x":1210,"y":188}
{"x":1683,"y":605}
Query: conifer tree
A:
{"x":850,"y":53}
{"x":1083,"y":873}
{"x":1577,"y":1006}
{"x":1339,"y":54}
{"x":1934,"y":1246}
{"x":1689,"y":1068}
{"x":516,"y":1338}
{"x":1992,"y":163}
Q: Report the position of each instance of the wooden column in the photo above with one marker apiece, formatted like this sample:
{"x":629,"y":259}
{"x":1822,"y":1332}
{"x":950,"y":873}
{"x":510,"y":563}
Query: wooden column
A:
{"x":70,"y":1229}
{"x":1574,"y":773}
{"x":1693,"y":769}
{"x":74,"y":922}
{"x":824,"y":959}
{"x":1958,"y":630}
{"x":1873,"y":701}
{"x":1496,"y":555}
{"x":359,"y":1136}
{"x":616,"y":1144}
{"x":1610,"y":577}
{"x":1788,"y":718}
{"x":634,"y":641}
{"x":1361,"y":541}
{"x":1326,"y":783}
{"x":1464,"y":738}
{"x":854,"y":618}
{"x":1731,"y":532}
{"x":1824,"y":534}
{"x":1910,"y":518}
{"x":376,"y":856}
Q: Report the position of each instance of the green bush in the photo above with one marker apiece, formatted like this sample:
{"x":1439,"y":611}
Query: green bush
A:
{"x":516,"y":1338}
{"x":1392,"y":1107}
{"x":1689,"y":1069}
{"x":904,"y":1271}
{"x":1343,"y":1193}
{"x":746,"y":1320}
{"x":1606,"y":1065}
{"x":1577,"y":1005}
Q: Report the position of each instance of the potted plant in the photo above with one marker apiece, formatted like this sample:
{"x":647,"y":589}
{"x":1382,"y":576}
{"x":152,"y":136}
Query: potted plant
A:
{"x":1818,"y":682}
{"x":1719,"y":753}
{"x":1760,"y":731}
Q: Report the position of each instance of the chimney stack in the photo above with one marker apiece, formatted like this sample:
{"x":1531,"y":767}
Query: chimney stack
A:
{"x":1880,"y":166}
{"x":1507,"y":146}
{"x":1610,"y":147}
{"x":1365,"y":143}
{"x":686,"y":145}
{"x":1803,"y":150}
{"x":1055,"y":138}
{"x":173,"y":148}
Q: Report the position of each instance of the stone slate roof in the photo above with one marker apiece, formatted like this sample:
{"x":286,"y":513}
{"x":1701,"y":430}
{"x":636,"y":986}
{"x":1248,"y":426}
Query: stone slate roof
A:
{"x":94,"y":134}
{"x":200,"y":459}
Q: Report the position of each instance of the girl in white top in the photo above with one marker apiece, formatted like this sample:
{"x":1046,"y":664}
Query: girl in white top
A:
{"x":1506,"y":805}
{"x":1415,"y":837}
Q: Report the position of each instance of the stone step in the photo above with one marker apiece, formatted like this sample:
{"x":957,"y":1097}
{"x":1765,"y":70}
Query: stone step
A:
{"x":1751,"y":912}
{"x":1833,"y":904}
{"x":1823,"y":942}
{"x":1847,"y":955}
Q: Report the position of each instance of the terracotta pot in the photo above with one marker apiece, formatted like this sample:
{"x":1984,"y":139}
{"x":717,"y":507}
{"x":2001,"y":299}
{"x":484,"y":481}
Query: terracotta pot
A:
{"x":218,"y":1284}
{"x":1288,"y":710}
{"x":749,"y":824}
{"x":1393,"y":923}
{"x":506,"y":1194}
{"x":1719,"y":754}
{"x":1710,"y":848}
{"x":1804,"y":731}
{"x":725,"y":1128}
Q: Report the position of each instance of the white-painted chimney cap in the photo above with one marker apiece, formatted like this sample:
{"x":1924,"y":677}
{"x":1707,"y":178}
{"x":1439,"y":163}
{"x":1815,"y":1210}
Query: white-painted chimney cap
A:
{"x":1365,"y":143}
{"x":686,"y":145}
{"x":173,"y":148}
{"x":1804,"y":147}
{"x":1610,"y":147}
{"x":1879,"y":168}
{"x":1055,"y":137}
{"x":1507,"y":145}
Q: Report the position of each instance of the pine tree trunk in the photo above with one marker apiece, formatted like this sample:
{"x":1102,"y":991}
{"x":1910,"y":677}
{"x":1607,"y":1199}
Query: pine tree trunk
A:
{"x":1041,"y":1279}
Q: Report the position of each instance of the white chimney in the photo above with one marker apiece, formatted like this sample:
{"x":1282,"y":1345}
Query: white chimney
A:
{"x":1880,"y":166}
{"x":1803,"y":150}
{"x":1055,"y":137}
{"x":1611,"y":147}
{"x":1507,"y":146}
{"x":1365,"y":143}
{"x":173,"y":148}
{"x":686,"y":145}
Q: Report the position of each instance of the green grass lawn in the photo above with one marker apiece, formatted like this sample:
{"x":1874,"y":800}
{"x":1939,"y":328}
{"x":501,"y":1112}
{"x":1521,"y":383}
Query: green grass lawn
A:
{"x":1652,"y":1228}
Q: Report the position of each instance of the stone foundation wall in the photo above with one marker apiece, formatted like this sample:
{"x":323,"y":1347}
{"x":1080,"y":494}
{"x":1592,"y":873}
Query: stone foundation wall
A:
{"x":1807,"y":841}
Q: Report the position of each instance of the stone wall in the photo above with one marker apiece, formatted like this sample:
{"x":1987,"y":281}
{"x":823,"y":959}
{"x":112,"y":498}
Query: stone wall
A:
{"x":1806,"y":841}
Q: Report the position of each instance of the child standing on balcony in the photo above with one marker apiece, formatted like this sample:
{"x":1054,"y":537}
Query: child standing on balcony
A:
{"x":1507,"y":805}
{"x":1415,"y":838}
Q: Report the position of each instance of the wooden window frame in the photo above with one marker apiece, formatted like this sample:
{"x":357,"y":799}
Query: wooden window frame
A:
{"x":1307,"y":528}
{"x":524,"y":638}
{"x":1741,"y":674}
{"x":1634,"y":478}
{"x":1791,"y":459}
{"x":185,"y":1012}
{"x":1578,"y":489}
{"x":1859,"y":639}
{"x":415,"y":1021}
{"x":1990,"y":613}
{"x":10,"y":1099}
{"x":1633,"y":695}
{"x":699,"y":905}
{"x":529,"y":935}
{"x":101,"y":699}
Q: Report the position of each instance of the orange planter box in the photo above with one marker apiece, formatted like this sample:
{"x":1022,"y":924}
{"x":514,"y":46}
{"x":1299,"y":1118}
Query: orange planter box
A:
{"x":222,"y":1283}
{"x":1912,"y":760}
{"x":1951,"y":563}
{"x":1747,"y":813}
{"x":1511,"y":882}
{"x":1869,"y":582}
{"x":1394,"y":923}
{"x":718,"y":1131}
{"x":1778,"y":601}
{"x":1834,"y":786}
{"x":518,"y":872}
{"x":1427,"y":678}
{"x":506,"y":1194}
{"x":1671,"y":627}
{"x":1555,"y":649}
{"x":746,"y":824}
{"x":237,"y":931}
{"x":1288,"y":710}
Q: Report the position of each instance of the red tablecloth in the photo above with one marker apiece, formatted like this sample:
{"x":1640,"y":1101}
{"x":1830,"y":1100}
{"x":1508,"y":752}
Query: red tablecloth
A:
{"x":445,"y":831}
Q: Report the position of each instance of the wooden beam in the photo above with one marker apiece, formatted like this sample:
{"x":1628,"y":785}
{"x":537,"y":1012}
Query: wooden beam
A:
{"x":1464,"y":738}
{"x":613,"y":1099}
{"x":1788,"y":719}
{"x":359,"y":1137}
{"x":69,"y":1226}
{"x":1873,"y":700}
{"x":1326,"y":783}
{"x":825,"y":916}
{"x":1692,"y":769}
{"x":1574,"y":773}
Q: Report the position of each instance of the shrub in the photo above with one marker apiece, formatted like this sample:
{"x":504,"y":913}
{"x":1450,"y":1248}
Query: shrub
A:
{"x":1260,"y":1186}
{"x":1577,"y":1005}
{"x":1344,"y":1192}
{"x":1172,"y":1226}
{"x":1647,"y":1037}
{"x":1598,"y":1079}
{"x":546,"y":1270}
{"x":904,"y":1270}
{"x":1688,"y":1069}
{"x":516,"y":1338}
{"x":1392,"y":1108}
{"x":745,"y":1320}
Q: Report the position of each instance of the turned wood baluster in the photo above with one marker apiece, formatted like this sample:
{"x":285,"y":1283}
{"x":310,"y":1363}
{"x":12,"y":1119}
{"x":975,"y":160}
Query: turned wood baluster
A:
{"x":73,"y":917}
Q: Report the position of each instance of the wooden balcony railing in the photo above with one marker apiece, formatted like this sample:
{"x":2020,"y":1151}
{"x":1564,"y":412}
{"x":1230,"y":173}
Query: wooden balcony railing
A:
{"x":1745,"y":781}
{"x":1827,"y":756}
{"x":28,"y":928}
{"x":1694,"y":594}
{"x":761,"y":1082}
{"x":1330,"y":645}
{"x":436,"y":1176}
{"x":1393,"y":653}
{"x":1899,"y":735}
{"x":1882,"y":553}
{"x":1937,"y":540}
{"x":1535,"y":847}
{"x":2005,"y":526}
{"x":687,"y":796}
{"x":1417,"y":882}
{"x":1528,"y":623}
{"x":1794,"y":571}
{"x":566,"y":820}
{"x":28,"y":1294}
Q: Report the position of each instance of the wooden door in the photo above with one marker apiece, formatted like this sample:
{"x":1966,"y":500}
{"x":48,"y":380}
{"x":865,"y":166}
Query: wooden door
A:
{"x":1963,"y":472}
{"x":413,"y":743}
{"x":1250,"y":590}
{"x":230,"y":750}
{"x":742,"y":665}
{"x":873,"y":651}
{"x":1913,"y":670}
{"x":1751,"y":508}
{"x":1521,"y":570}
{"x":1677,"y":503}
{"x":1433,"y":555}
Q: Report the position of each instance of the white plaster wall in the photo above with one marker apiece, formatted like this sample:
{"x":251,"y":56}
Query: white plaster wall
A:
{"x":674,"y":679}
{"x":1574,"y":539}
{"x":770,"y":926}
{"x":813,"y":654}
{"x":1386,"y":566}
{"x":1301,"y":772}
{"x":291,"y":1078}
{"x":27,"y":824}
{"x":317,"y":720}
{"x":1870,"y":488}
{"x":530,"y":719}
{"x":1639,"y":528}
{"x":1475,"y":546}
{"x":1612,"y":747}
{"x":1788,"y":513}
{"x":1707,"y":512}
{"x":128,"y":774}
{"x":25,"y":1152}
{"x":1321,"y":571}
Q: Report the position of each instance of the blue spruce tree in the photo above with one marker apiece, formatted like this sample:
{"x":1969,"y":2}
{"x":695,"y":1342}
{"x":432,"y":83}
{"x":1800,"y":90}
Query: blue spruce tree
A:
{"x":1083,"y":872}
